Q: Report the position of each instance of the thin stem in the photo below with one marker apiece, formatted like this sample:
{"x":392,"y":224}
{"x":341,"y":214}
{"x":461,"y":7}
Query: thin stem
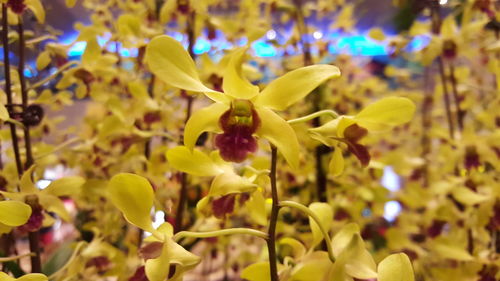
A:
{"x":53,"y":75}
{"x":310,"y":213}
{"x":271,"y":240}
{"x":456,"y":98}
{"x":190,"y":30}
{"x":216,"y":233}
{"x":314,"y":115}
{"x":8,"y":88}
{"x":33,"y":237}
{"x":70,"y":260}
{"x":13,"y":258}
{"x":446,"y":98}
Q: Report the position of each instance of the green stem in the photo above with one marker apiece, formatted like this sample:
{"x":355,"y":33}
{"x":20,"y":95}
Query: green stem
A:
{"x":311,"y":116}
{"x":190,"y":30}
{"x":13,"y":258}
{"x":311,"y":214}
{"x":53,"y":75}
{"x":216,"y":233}
{"x":271,"y":240}
{"x":33,"y":237}
{"x":8,"y":88}
{"x":70,"y":260}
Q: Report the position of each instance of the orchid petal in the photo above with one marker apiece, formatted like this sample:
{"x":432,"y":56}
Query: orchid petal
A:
{"x":234,"y":84}
{"x":133,"y":195}
{"x":203,"y":120}
{"x":295,"y":85}
{"x":192,"y":162}
{"x":280,"y":134}
{"x":386,"y":113}
{"x":14,"y":213}
{"x":158,"y":269}
{"x":170,"y":62}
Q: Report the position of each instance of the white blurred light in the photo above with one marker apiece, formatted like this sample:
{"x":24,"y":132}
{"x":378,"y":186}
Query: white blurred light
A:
{"x":159,"y":219}
{"x":443,"y":2}
{"x":42,"y":184}
{"x":317,"y":34}
{"x":390,"y":179}
{"x":271,"y":34}
{"x":391,"y":210}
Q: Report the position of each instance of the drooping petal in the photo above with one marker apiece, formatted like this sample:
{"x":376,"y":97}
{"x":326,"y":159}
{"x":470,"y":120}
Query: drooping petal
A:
{"x":158,"y":269}
{"x":295,"y":85}
{"x":396,"y":267}
{"x":279,"y":133}
{"x":325,"y":214}
{"x":234,"y":84}
{"x":228,"y":183}
{"x":133,"y":196}
{"x":192,"y":162}
{"x":336,"y":165}
{"x":203,"y":120}
{"x":170,"y":62}
{"x":14,"y":213}
{"x":386,"y":113}
{"x":257,"y":272}
{"x":33,"y":277}
{"x":27,"y":185}
{"x":65,"y":186}
{"x":53,"y":204}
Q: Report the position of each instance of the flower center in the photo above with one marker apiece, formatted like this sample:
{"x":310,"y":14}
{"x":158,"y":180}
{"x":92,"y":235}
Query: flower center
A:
{"x":239,"y":123}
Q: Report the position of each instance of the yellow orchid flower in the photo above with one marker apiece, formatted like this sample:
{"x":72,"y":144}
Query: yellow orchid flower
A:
{"x":27,"y":277}
{"x":242,"y":110}
{"x":377,"y":117}
{"x":225,"y":186}
{"x":12,"y":214}
{"x":133,"y":195}
{"x":46,"y":199}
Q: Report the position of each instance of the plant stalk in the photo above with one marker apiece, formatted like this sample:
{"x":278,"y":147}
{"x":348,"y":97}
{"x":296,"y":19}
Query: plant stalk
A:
{"x":33,"y":237}
{"x":271,"y":240}
{"x":8,"y":88}
{"x":179,"y":217}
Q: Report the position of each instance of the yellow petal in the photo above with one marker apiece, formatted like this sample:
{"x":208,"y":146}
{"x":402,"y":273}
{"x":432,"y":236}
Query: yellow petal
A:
{"x":234,"y":84}
{"x":312,"y":267}
{"x":5,"y":277}
{"x":4,"y":114}
{"x":279,"y":133}
{"x":203,"y":120}
{"x":182,"y":257}
{"x":133,"y":196}
{"x":37,"y":8}
{"x":33,"y":277}
{"x":297,"y":247}
{"x":170,"y":62}
{"x":53,"y":204}
{"x":336,"y":166}
{"x":468,"y":197}
{"x":14,"y":213}
{"x":43,"y":60}
{"x":386,"y":113}
{"x":65,"y":186}
{"x":295,"y":85}
{"x":359,"y":262}
{"x":5,"y":228}
{"x":396,"y":267}
{"x":228,"y":183}
{"x":377,"y":34}
{"x":343,"y":237}
{"x":70,"y":3}
{"x":256,"y":206}
{"x":192,"y":162}
{"x":257,"y":272}
{"x":325,"y":213}
{"x":158,"y":269}
{"x":27,"y":185}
